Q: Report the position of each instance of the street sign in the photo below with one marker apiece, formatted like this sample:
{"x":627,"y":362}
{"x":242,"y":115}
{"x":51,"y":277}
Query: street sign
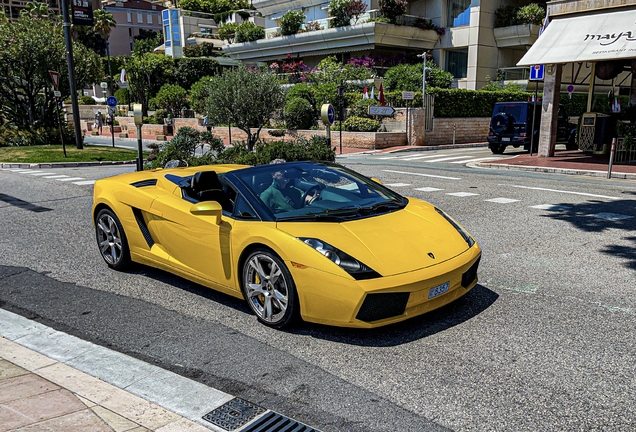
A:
{"x":55,"y":77}
{"x":408,"y":95}
{"x":111,"y":101}
{"x":328,"y":114}
{"x":536,"y":73}
{"x":57,"y":94}
{"x":381,"y":110}
{"x":112,"y":110}
{"x":123,"y":84}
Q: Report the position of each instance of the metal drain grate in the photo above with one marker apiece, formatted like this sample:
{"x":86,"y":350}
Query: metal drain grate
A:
{"x":233,"y":414}
{"x":274,"y":422}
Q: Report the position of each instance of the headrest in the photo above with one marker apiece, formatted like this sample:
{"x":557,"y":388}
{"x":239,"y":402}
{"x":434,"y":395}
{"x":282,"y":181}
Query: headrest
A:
{"x":205,"y":180}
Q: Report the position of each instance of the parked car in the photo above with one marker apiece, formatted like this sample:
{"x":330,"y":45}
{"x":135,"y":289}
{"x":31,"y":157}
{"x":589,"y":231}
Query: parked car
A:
{"x":511,"y":125}
{"x":296,"y":240}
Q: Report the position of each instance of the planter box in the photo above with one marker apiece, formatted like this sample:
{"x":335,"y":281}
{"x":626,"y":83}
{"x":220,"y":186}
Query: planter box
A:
{"x":517,"y":35}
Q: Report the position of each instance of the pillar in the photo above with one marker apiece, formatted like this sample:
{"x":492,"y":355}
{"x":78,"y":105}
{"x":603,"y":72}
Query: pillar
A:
{"x":549,"y":110}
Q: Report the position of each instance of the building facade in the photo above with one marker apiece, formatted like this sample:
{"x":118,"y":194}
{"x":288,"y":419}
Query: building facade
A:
{"x":131,"y":17}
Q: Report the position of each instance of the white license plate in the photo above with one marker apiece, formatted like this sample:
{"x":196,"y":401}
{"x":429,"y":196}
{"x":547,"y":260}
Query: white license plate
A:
{"x":505,"y":139}
{"x":438,"y":290}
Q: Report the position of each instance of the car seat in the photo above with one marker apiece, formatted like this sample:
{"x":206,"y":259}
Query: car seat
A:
{"x":206,"y":186}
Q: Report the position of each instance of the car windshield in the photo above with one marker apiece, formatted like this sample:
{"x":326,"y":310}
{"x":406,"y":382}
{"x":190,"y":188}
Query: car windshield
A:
{"x":305,"y":191}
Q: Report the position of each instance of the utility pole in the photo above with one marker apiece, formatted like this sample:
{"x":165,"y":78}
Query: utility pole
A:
{"x":424,"y":69}
{"x":71,"y":75}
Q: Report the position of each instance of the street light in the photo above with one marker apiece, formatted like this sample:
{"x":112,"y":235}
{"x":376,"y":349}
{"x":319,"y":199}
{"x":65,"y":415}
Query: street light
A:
{"x":424,"y":69}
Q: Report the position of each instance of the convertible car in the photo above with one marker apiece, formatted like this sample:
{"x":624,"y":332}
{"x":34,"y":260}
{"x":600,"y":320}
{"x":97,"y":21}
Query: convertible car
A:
{"x":306,"y":240}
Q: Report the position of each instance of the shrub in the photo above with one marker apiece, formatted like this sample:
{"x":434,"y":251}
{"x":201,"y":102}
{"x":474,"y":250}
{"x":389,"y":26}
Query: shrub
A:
{"x":355,"y":8}
{"x":13,"y":137}
{"x":506,"y":16}
{"x":249,"y":32}
{"x":157,"y":118}
{"x":392,"y":9}
{"x":291,"y":22}
{"x":530,"y":14}
{"x":86,"y":100}
{"x":338,"y":9}
{"x":227,"y":32}
{"x":183,"y":147}
{"x":359,"y":124}
{"x":409,"y":77}
{"x":312,"y":26}
{"x":427,"y":24}
{"x":277,"y":132}
{"x":380,"y":20}
{"x":122,"y":96}
{"x":171,"y":98}
{"x":299,"y":114}
{"x":361,"y":108}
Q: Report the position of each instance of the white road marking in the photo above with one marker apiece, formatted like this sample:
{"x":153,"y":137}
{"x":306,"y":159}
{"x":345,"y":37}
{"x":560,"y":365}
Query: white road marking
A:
{"x":56,"y":176}
{"x":610,"y":216}
{"x":70,"y":179}
{"x":552,"y":207}
{"x":85,"y":182}
{"x":39,"y":173}
{"x":502,"y":200}
{"x":422,"y":175}
{"x":428,"y":189}
{"x":462,"y":194}
{"x":30,"y":172}
{"x":412,"y":158}
{"x":478,"y":159}
{"x":18,"y":170}
{"x":409,"y":157}
{"x":397,"y":184}
{"x":562,"y":191}
{"x":446,"y":159}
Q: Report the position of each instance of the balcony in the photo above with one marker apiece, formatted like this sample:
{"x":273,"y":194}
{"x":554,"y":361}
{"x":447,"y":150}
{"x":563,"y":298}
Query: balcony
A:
{"x":359,"y":37}
{"x":521,"y":35}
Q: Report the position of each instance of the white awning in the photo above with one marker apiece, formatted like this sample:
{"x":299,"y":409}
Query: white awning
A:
{"x":596,"y":37}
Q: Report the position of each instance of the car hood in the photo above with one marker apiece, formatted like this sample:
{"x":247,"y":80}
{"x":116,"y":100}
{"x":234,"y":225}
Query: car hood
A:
{"x":406,"y":240}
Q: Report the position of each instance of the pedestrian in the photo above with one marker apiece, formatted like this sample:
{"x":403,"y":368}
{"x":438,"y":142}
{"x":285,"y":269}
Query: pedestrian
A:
{"x":99,"y":121}
{"x":109,"y":120}
{"x":207,"y":124}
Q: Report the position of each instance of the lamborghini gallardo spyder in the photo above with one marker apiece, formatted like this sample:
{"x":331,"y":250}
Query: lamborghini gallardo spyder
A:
{"x":297,"y":240}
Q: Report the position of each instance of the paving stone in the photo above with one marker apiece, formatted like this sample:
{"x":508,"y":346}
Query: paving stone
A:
{"x":24,"y":386}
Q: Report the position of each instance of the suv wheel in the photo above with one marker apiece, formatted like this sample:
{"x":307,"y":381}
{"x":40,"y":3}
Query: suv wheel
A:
{"x":498,"y":148}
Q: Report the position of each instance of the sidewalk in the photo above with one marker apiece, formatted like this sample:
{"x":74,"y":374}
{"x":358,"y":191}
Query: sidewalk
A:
{"x":51,"y":381}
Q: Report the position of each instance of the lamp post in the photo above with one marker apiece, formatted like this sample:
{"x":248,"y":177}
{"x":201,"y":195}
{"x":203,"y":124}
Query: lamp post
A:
{"x":424,"y":69}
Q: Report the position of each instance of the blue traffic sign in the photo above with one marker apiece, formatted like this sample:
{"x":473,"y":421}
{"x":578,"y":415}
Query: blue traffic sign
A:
{"x":536,"y":73}
{"x":331,"y":114}
{"x":111,"y":101}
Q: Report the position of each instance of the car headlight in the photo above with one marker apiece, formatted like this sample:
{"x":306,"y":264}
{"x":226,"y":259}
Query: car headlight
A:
{"x":467,"y":237}
{"x":348,"y":263}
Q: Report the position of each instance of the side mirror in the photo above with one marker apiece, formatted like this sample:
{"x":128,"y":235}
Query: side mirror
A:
{"x":377,"y":180}
{"x":208,"y":208}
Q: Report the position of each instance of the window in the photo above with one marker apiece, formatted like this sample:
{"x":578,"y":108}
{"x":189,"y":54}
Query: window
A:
{"x":140,"y":17}
{"x":129,"y":31}
{"x":128,"y":17}
{"x":458,"y":13}
{"x":457,"y":62}
{"x":149,"y":19}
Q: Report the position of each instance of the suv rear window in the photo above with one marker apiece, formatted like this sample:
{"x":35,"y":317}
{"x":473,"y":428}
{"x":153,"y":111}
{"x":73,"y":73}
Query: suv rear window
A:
{"x":517,"y":111}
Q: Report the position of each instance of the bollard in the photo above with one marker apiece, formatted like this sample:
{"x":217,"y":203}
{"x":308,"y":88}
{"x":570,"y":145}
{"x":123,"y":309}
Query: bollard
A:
{"x":454,"y":128}
{"x":611,"y":159}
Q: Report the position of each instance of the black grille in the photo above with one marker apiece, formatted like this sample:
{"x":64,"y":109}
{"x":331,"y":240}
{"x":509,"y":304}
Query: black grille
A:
{"x":274,"y":422}
{"x":383,"y":305}
{"x":234,"y":414}
{"x":142,"y":183}
{"x":471,"y":274}
{"x":143,"y":227}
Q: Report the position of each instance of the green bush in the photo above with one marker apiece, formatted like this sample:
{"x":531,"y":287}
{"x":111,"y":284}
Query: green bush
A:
{"x":360,"y":124}
{"x":339,"y":10}
{"x":86,"y":100}
{"x":13,"y":137}
{"x":188,"y":71}
{"x":530,"y":14}
{"x":183,"y":147}
{"x":407,"y":77}
{"x":299,"y":114}
{"x":392,"y":9}
{"x":171,"y":98}
{"x":506,"y":16}
{"x":122,"y":96}
{"x":249,"y":32}
{"x":157,"y":118}
{"x":361,"y":108}
{"x":291,"y":22}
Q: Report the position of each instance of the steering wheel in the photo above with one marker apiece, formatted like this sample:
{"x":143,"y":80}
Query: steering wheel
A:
{"x":311,"y":191}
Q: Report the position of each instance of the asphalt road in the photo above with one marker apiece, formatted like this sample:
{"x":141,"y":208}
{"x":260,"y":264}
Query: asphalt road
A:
{"x":544,"y":342}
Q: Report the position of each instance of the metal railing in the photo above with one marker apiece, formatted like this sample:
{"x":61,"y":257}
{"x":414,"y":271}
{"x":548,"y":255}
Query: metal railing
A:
{"x":513,"y":73}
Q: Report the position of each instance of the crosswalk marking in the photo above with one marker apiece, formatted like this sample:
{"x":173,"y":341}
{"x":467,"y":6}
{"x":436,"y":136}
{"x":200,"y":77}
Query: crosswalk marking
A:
{"x":85,"y":182}
{"x":552,"y":207}
{"x":30,"y":172}
{"x":39,"y":173}
{"x":411,"y":157}
{"x":422,"y":175}
{"x":428,"y":189}
{"x":462,"y":194}
{"x":70,"y":179}
{"x":561,"y":191}
{"x":447,"y":159}
{"x":56,"y":176}
{"x":477,"y":160}
{"x":398,"y":184}
{"x":502,"y":200}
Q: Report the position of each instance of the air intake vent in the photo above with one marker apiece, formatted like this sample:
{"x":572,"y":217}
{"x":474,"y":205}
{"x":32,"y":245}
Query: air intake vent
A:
{"x":143,"y":183}
{"x":139,"y":217}
{"x":471,"y":274}
{"x":383,"y":305}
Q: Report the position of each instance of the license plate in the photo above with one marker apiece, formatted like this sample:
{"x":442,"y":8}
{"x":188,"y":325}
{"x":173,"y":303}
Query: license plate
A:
{"x":505,"y":139}
{"x":438,"y":290}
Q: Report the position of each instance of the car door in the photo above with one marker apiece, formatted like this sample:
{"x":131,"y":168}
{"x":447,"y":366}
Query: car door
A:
{"x":196,"y":244}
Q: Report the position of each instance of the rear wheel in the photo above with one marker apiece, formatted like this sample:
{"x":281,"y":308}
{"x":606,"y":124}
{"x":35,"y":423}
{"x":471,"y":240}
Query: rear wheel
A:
{"x":111,"y":240}
{"x":498,"y":148}
{"x":269,"y":289}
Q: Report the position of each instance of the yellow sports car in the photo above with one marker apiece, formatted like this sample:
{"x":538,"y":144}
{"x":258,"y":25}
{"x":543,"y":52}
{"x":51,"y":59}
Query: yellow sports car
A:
{"x":306,"y":240}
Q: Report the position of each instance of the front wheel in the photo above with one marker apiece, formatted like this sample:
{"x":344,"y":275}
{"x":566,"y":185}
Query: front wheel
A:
{"x":111,"y":240}
{"x":498,"y":149}
{"x":269,"y":289}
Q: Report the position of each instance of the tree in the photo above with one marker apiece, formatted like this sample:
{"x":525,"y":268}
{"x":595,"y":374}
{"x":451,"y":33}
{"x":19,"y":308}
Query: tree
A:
{"x":392,"y":9}
{"x":244,"y":97}
{"x":407,"y":77}
{"x":29,"y":48}
{"x":227,"y":32}
{"x":103,"y":23}
{"x":37,"y":10}
{"x":339,"y":10}
{"x":291,"y":22}
{"x":188,"y":71}
{"x":355,"y":8}
{"x":146,"y":44}
{"x":147,"y":74}
{"x":172,"y":98}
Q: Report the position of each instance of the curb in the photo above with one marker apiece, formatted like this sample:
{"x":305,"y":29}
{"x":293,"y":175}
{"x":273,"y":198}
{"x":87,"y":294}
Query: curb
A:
{"x":566,"y":171}
{"x":64,"y":164}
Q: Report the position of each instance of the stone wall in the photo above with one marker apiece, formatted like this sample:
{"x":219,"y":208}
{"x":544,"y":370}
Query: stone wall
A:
{"x":467,"y":130}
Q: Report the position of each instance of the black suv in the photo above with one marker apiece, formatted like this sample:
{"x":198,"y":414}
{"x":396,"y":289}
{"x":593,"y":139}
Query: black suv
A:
{"x":511,"y":123}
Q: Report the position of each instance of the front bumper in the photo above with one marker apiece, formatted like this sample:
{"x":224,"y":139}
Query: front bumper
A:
{"x":333,"y":300}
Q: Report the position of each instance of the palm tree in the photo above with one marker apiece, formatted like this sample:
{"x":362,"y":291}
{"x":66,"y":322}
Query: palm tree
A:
{"x":103,"y":24}
{"x":36,"y":10}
